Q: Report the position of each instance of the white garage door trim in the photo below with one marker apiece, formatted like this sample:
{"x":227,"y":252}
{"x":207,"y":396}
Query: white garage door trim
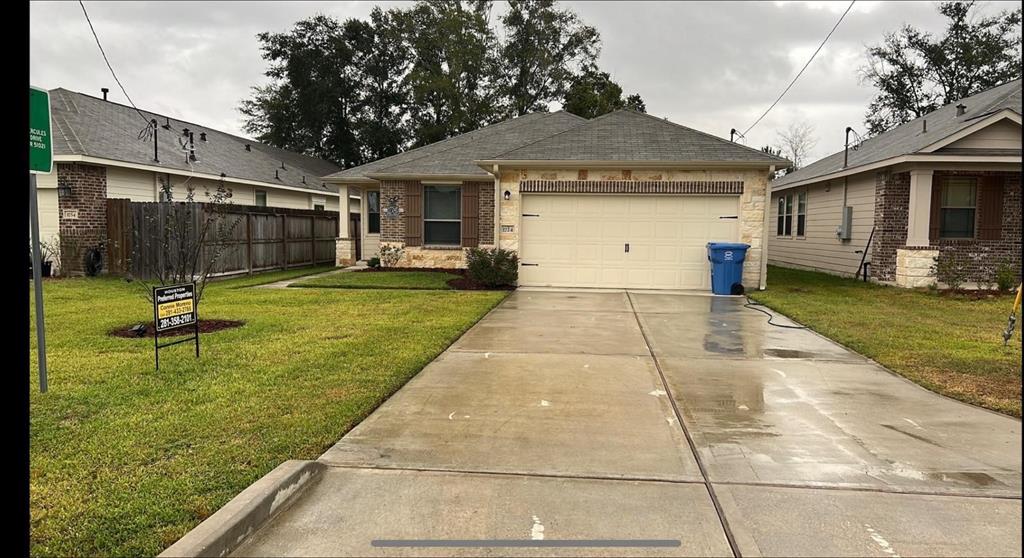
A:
{"x":580,"y":240}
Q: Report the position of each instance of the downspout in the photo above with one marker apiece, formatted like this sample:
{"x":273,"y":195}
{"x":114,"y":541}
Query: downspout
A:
{"x":764,"y":229}
{"x":497,"y":204}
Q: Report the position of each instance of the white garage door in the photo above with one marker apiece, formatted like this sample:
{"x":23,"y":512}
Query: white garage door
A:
{"x":622,"y":241}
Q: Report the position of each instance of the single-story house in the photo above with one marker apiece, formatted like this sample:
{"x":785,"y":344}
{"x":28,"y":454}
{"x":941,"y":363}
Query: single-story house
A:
{"x":945,"y":185}
{"x":624,"y":200}
{"x":99,"y":153}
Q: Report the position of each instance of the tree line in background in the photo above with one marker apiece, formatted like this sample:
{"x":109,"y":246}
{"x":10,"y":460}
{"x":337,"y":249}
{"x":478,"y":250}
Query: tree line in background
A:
{"x":357,"y":90}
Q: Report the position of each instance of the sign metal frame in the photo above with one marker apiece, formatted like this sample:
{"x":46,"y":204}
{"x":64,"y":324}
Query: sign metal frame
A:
{"x":156,"y":321}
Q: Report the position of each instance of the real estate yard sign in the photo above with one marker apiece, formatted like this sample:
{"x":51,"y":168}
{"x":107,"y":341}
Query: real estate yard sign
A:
{"x":174,"y":306}
{"x":40,"y":160}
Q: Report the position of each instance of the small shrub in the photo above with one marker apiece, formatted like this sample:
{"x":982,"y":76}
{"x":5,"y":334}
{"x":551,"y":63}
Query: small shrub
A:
{"x":373,"y":262}
{"x":390,"y":255}
{"x":952,"y":269}
{"x":1006,"y":276}
{"x":495,"y":267}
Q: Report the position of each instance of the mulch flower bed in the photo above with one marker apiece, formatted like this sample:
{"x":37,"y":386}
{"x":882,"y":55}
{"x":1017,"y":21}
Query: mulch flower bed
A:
{"x":205,"y":326}
{"x":461,"y":283}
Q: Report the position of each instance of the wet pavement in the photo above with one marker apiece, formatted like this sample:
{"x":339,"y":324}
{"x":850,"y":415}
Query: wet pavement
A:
{"x":555,"y":419}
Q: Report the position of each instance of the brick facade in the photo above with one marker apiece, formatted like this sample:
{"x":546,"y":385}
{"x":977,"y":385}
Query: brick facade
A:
{"x":985,"y":255}
{"x":892,"y":199}
{"x":486,"y":213}
{"x":892,"y":202}
{"x":392,"y":228}
{"x":83,"y":213}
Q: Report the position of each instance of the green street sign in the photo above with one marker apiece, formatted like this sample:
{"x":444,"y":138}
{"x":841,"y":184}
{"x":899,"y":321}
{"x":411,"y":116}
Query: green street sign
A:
{"x":40,"y":143}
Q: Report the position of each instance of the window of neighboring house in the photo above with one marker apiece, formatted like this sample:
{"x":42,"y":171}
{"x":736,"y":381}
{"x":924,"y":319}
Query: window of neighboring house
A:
{"x":318,"y":206}
{"x":261,"y":198}
{"x":442,"y":215}
{"x":373,"y":212}
{"x":959,"y":200}
{"x":784,"y":225}
{"x":801,"y":213}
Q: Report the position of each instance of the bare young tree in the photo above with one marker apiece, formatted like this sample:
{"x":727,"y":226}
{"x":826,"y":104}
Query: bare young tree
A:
{"x":796,"y":142}
{"x":184,"y":240}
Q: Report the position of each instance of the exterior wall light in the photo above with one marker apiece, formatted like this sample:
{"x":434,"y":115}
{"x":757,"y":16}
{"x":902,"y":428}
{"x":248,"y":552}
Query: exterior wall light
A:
{"x":63,"y":190}
{"x":507,"y":195}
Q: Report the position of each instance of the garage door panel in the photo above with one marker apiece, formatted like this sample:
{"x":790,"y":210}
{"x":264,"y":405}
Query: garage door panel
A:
{"x":579,"y":240}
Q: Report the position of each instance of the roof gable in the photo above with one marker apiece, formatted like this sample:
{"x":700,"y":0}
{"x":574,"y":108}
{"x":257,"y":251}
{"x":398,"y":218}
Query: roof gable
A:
{"x":630,"y":136}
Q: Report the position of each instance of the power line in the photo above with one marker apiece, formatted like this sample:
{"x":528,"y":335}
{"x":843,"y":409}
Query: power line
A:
{"x":783,"y":94}
{"x":109,"y":67}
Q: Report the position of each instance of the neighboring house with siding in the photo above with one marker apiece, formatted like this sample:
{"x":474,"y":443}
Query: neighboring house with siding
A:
{"x":624,"y":200}
{"x":99,"y":154}
{"x":946,"y":185}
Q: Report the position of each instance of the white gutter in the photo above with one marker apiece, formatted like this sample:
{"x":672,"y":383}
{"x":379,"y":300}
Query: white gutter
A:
{"x":497,"y":205}
{"x":912,"y":158}
{"x":180,"y":172}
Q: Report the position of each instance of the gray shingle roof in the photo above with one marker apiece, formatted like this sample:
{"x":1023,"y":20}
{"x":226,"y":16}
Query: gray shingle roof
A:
{"x":627,"y":135}
{"x":86,"y":125}
{"x":909,"y":138}
{"x":456,"y":155}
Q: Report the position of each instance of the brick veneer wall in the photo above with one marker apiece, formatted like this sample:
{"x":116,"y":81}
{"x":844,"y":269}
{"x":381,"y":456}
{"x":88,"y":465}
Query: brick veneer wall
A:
{"x":89,"y":197}
{"x":985,"y":255}
{"x":486,"y":222}
{"x":393,"y":230}
{"x":892,"y":202}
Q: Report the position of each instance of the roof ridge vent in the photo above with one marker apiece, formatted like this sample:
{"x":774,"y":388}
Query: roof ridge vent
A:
{"x":961,"y":108}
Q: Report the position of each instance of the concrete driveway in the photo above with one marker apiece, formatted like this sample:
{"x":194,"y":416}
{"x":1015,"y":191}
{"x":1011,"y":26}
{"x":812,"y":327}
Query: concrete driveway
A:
{"x":557,"y":418}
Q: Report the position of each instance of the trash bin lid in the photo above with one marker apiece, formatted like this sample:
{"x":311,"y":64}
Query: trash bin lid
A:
{"x":727,"y":246}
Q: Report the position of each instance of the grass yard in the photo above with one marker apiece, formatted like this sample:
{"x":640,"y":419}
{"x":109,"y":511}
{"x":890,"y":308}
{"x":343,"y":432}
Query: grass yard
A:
{"x":125,"y":460}
{"x":951,"y":345}
{"x":429,"y":280}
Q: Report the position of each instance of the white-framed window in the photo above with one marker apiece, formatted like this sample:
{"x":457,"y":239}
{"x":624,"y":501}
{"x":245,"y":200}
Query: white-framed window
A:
{"x":801,"y":213}
{"x":442,"y":215}
{"x":261,"y":198}
{"x":792,"y":207}
{"x":373,"y":212}
{"x":959,"y":207}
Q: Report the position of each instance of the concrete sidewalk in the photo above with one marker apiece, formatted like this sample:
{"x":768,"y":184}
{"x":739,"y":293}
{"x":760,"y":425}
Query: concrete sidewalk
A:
{"x":653,"y":417}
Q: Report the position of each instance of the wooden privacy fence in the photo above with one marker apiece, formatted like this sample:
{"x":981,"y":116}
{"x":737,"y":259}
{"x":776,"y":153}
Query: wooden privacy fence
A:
{"x":251,"y":238}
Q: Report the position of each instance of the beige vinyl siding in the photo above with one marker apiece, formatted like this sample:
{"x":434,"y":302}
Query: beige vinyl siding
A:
{"x":132,"y":184}
{"x":242,"y":194}
{"x":1000,"y":135}
{"x":820,"y":249}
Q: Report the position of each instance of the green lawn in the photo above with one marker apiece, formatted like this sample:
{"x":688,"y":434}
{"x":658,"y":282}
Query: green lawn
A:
{"x":125,"y":460}
{"x":951,"y":345}
{"x":431,"y":280}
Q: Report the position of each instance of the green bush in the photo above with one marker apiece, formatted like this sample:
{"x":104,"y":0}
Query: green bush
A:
{"x":952,"y":268}
{"x":373,"y":262}
{"x":1006,"y":276}
{"x":493,"y":267}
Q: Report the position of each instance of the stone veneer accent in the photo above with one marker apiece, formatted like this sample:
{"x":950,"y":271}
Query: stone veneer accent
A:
{"x":88,"y":198}
{"x":914,"y":267}
{"x":892,"y":199}
{"x":345,"y":251}
{"x":631,"y":187}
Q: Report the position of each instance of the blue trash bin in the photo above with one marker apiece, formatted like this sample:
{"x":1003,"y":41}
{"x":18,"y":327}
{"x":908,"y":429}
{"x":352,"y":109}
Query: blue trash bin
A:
{"x":727,"y":266}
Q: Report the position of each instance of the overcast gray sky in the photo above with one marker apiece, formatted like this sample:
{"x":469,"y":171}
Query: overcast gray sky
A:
{"x":708,"y":65}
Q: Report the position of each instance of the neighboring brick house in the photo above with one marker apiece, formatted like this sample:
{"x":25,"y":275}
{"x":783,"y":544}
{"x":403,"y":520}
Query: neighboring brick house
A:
{"x":622,"y":200}
{"x":946,"y":185}
{"x":99,"y":154}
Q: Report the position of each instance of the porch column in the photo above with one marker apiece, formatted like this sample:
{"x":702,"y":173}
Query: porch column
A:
{"x":919,"y":210}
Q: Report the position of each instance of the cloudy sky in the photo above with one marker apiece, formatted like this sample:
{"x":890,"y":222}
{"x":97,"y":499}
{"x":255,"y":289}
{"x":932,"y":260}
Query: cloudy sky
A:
{"x":709,"y":65}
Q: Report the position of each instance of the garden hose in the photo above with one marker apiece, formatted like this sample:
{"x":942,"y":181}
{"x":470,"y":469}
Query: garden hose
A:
{"x":1013,"y":318}
{"x":754,"y":306}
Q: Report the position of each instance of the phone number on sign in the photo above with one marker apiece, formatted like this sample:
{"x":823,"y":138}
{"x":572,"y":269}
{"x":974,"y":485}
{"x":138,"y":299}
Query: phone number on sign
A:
{"x":175,"y":321}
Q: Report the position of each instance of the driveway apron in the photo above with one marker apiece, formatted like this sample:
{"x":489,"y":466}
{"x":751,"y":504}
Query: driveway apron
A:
{"x":556,"y":419}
